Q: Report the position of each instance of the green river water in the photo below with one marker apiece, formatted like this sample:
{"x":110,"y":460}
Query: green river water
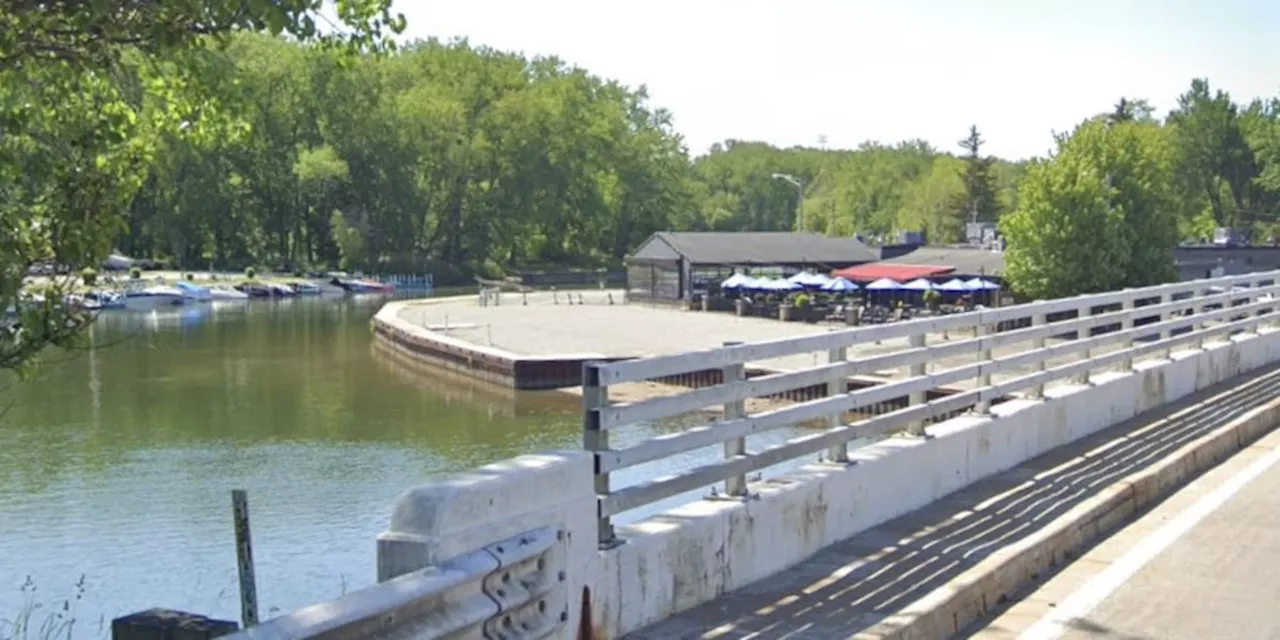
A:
{"x":117,"y":463}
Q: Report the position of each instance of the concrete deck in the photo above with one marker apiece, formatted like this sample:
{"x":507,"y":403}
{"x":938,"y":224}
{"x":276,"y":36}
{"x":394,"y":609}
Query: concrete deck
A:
{"x":1217,"y":579}
{"x":630,"y":330}
{"x":848,"y":587}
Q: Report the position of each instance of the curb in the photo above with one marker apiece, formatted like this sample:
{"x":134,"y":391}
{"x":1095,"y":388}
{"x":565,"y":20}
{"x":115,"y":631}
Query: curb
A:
{"x":951,"y":608}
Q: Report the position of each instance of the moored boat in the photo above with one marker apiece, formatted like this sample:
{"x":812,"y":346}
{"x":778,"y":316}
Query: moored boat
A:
{"x":254,"y":289}
{"x":220,"y":293}
{"x":281,"y":290}
{"x":351,"y":285}
{"x":153,"y":297}
{"x":306,"y":288}
{"x":193,"y":292}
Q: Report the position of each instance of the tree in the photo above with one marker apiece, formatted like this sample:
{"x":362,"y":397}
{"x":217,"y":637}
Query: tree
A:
{"x":89,"y":93}
{"x":1217,"y":166}
{"x":1096,"y":216}
{"x":979,"y":201}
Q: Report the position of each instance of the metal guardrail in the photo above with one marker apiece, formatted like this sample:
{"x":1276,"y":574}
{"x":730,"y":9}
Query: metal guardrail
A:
{"x":1149,"y":320}
{"x":509,"y":590}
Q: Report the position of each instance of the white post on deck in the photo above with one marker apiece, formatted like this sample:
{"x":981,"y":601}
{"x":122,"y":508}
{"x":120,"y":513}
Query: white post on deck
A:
{"x":917,"y":341}
{"x":734,"y":447}
{"x":837,"y":385}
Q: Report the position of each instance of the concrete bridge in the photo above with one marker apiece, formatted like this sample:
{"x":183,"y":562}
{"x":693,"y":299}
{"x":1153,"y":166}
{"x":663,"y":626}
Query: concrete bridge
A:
{"x":908,"y":522}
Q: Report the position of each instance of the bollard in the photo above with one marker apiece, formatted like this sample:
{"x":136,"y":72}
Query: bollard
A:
{"x":165,"y":624}
{"x":524,"y":298}
{"x":610,"y":297}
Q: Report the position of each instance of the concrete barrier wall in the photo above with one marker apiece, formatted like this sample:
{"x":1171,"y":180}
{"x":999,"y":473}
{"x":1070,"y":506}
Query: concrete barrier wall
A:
{"x":494,"y":365}
{"x":692,"y":554}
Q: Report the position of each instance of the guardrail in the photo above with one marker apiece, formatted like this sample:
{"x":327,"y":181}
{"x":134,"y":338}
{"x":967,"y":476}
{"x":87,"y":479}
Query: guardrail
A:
{"x":510,"y":589}
{"x":1135,"y":322}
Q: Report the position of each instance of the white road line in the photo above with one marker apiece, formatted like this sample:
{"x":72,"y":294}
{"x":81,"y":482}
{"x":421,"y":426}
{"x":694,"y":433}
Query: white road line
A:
{"x":1080,"y":603}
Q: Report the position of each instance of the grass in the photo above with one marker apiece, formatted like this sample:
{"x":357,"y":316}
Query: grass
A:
{"x":37,"y":621}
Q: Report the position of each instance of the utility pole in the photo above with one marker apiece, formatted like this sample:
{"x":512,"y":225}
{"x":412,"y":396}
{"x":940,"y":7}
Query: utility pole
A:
{"x":794,"y":181}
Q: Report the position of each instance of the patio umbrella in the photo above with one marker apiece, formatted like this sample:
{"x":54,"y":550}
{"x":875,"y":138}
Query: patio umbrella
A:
{"x":783,"y":285}
{"x":735,"y":281}
{"x":919,"y":284}
{"x":884,"y":284}
{"x":978,"y":284}
{"x":840,"y":285}
{"x":954,"y":285}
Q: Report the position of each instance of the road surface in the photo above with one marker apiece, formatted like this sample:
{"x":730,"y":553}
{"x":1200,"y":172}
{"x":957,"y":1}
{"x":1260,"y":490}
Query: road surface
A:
{"x":1203,"y":565}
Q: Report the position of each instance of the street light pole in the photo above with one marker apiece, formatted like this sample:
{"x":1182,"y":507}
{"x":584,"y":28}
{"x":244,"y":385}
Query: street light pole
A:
{"x":794,"y":181}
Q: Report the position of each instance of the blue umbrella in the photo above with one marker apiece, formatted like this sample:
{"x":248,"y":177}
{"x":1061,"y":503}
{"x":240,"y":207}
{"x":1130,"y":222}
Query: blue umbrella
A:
{"x":919,"y":284}
{"x":978,"y":284}
{"x":883,"y":284}
{"x":840,"y":285}
{"x":735,"y":281}
{"x":955,"y":285}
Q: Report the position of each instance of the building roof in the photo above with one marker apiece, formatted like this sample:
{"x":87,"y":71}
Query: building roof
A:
{"x":753,"y":248}
{"x":963,"y":260}
{"x":896,"y":272}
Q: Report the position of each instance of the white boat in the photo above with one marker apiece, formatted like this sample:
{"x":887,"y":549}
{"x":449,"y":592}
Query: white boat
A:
{"x":193,"y":292}
{"x":221,"y":293}
{"x":153,"y":297}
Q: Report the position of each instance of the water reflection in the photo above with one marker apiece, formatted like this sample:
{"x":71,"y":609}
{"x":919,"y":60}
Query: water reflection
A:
{"x":116,"y":462}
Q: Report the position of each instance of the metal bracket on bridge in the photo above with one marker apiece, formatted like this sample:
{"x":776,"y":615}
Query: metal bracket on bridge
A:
{"x":528,"y":586}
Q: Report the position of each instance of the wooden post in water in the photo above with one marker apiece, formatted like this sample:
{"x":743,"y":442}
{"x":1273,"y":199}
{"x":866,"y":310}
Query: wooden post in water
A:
{"x":244,"y":558}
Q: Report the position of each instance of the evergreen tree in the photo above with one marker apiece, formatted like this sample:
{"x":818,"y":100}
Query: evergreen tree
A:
{"x":978,"y":202}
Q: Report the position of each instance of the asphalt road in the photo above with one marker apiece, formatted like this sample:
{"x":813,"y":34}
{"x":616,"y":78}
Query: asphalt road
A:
{"x":1203,"y":565}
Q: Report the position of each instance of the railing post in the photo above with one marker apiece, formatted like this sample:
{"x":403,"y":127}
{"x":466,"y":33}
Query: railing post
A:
{"x":1258,"y":284}
{"x":1198,"y":309}
{"x":595,"y":396}
{"x":1039,"y":320}
{"x":984,"y":354}
{"x":1166,"y":334}
{"x":837,"y":386}
{"x":735,"y":373}
{"x":1085,"y":311}
{"x":916,"y":341}
{"x":1125,"y":325}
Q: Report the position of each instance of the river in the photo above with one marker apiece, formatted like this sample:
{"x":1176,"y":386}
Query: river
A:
{"x":117,"y":461}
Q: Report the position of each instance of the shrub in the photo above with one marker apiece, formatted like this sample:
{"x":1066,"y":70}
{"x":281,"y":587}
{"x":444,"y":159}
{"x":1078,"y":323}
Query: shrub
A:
{"x":89,"y":276}
{"x":251,"y":273}
{"x":932,"y":299}
{"x":802,"y":301}
{"x":188,"y":277}
{"x":135,"y":273}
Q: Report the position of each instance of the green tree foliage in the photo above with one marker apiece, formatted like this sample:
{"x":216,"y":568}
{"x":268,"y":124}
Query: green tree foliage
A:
{"x":979,"y":202}
{"x":1096,"y":216}
{"x":89,"y":94}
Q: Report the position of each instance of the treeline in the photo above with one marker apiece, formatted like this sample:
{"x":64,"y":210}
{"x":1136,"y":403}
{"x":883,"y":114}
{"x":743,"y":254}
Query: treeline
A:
{"x":460,"y":159}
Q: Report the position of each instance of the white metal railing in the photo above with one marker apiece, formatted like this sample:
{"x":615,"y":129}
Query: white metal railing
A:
{"x":1135,"y":322}
{"x":510,"y":589}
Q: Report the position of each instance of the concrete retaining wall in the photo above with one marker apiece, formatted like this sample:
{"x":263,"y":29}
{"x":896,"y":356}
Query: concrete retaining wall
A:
{"x":695,"y":553}
{"x":487,"y":363}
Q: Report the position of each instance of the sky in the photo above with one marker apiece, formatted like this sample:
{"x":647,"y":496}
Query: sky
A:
{"x":790,"y":71}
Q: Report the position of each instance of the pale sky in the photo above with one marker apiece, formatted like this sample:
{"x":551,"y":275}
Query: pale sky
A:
{"x":786,"y":72}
